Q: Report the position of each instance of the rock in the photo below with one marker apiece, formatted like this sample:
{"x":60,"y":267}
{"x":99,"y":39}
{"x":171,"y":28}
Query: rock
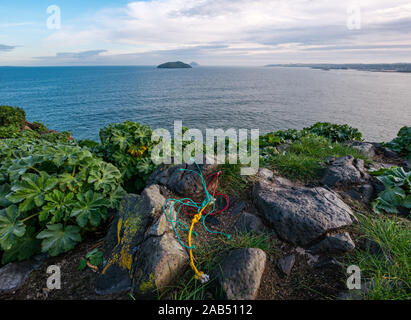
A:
{"x":365,"y":148}
{"x":345,"y":171}
{"x":286,"y":264}
{"x":328,"y":262}
{"x":334,"y":244}
{"x":14,"y":275}
{"x":125,"y":235}
{"x":160,"y":261}
{"x":407,"y":164}
{"x":354,"y":195}
{"x":265,"y":174}
{"x":367,"y":193}
{"x":388,"y":153}
{"x":212,"y":220}
{"x":186,"y":183}
{"x":300,"y":215}
{"x":248,"y":222}
{"x":239,"y":274}
{"x":373,"y":247}
{"x":238,"y":208}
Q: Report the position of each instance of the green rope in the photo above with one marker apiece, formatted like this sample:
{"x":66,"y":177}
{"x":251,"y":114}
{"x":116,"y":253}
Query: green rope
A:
{"x":175,"y":221}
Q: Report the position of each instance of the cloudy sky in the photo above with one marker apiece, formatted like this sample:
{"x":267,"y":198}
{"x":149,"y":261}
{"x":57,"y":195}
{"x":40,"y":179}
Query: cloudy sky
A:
{"x":210,"y":32}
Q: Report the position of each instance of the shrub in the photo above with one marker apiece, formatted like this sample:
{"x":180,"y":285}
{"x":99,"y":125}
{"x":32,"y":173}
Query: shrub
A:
{"x":39,"y":127}
{"x":14,"y":116}
{"x":402,"y":144}
{"x":397,"y":193}
{"x":334,"y":132}
{"x":51,"y":192}
{"x":128,"y":146}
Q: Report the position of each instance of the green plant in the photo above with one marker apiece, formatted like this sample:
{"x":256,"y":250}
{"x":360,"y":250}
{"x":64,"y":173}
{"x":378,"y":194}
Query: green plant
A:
{"x":334,"y":132}
{"x":402,"y":143}
{"x":304,"y":159}
{"x":397,"y":191}
{"x":51,"y":192}
{"x":94,"y":257}
{"x":389,"y":268}
{"x":128,"y":146}
{"x":14,"y":116}
{"x":9,"y":131}
{"x":39,"y":127}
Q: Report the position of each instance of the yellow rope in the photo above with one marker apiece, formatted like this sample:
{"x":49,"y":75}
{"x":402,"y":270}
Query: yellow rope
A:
{"x":196,"y":219}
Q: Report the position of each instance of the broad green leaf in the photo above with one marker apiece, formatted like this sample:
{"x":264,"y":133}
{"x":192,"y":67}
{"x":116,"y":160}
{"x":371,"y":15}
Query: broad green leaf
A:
{"x":88,"y":207}
{"x":4,"y":191}
{"x":57,"y":239}
{"x":11,"y":228}
{"x":59,"y":205}
{"x":31,"y":190}
{"x":24,"y":248}
{"x":104,"y":177}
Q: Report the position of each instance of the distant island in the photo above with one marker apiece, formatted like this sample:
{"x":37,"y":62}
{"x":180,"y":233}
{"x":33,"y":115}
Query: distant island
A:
{"x":382,"y":67}
{"x":174,"y":65}
{"x":194,"y":64}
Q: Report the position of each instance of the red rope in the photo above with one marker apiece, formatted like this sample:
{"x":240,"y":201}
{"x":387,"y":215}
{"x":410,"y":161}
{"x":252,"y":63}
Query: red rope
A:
{"x":214,"y":193}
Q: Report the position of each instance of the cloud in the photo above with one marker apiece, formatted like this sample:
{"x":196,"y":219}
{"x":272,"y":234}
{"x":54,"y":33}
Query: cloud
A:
{"x":73,"y":57}
{"x":6,"y":48}
{"x":222,"y":31}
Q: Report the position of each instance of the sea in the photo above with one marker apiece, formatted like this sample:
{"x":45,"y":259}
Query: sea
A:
{"x":83,"y":100}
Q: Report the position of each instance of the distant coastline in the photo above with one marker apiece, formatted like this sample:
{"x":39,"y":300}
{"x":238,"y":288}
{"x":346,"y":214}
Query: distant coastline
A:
{"x":393,"y":67}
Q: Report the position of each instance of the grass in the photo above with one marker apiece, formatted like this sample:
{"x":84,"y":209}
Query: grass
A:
{"x":232,"y":182}
{"x":207,"y":259}
{"x":390,"y":272}
{"x":304,"y":159}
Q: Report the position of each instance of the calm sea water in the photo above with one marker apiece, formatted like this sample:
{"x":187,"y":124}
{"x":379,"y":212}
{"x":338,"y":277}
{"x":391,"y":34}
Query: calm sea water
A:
{"x":84,"y":99}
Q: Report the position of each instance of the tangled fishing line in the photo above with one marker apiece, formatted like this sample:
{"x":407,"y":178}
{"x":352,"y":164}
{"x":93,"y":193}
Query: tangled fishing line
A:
{"x":196,"y":210}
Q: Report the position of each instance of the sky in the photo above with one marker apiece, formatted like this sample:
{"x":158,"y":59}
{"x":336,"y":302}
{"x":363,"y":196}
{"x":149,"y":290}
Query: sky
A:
{"x":210,"y":32}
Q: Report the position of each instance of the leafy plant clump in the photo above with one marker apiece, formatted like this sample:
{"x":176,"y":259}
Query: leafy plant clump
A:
{"x":51,"y":193}
{"x":397,"y":193}
{"x":128,"y":146}
{"x":12,"y":116}
{"x":11,"y":121}
{"x":334,"y":132}
{"x":402,"y":143}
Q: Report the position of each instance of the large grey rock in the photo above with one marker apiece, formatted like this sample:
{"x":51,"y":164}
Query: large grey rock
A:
{"x":239,"y":274}
{"x":300,"y":215}
{"x":160,"y":261}
{"x":334,"y":244}
{"x":248,"y":222}
{"x":181,"y":181}
{"x":14,"y":275}
{"x":345,"y":171}
{"x":127,"y":232}
{"x":365,"y":148}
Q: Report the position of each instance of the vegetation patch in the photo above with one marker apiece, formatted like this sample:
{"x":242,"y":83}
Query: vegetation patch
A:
{"x":305,"y":158}
{"x":53,"y":193}
{"x":397,"y":194}
{"x":389,"y":269}
{"x":402,"y":143}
